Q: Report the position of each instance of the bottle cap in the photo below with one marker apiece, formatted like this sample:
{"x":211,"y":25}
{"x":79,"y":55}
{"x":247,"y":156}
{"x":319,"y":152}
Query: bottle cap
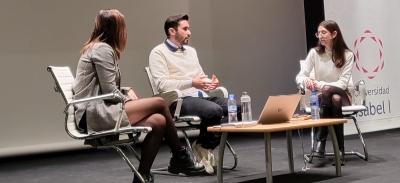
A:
{"x":231,"y":95}
{"x":244,"y":93}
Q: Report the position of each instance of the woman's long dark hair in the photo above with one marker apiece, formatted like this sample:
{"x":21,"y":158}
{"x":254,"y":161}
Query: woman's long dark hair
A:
{"x":110,"y":28}
{"x":339,"y":46}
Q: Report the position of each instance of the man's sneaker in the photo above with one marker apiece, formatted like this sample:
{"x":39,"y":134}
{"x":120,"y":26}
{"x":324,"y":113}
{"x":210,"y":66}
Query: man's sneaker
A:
{"x":196,"y":152}
{"x":204,"y":157}
{"x":213,"y":161}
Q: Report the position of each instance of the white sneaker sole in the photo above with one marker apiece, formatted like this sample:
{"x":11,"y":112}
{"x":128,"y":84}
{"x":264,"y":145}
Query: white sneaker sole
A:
{"x":202,"y":160}
{"x":213,"y":161}
{"x":207,"y":166}
{"x":196,"y":153}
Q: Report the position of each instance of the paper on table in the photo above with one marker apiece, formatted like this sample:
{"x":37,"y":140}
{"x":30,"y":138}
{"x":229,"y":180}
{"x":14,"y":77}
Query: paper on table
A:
{"x":300,"y":117}
{"x":237,"y":125}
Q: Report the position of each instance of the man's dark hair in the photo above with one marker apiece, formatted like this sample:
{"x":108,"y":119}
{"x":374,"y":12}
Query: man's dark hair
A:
{"x":173,"y":22}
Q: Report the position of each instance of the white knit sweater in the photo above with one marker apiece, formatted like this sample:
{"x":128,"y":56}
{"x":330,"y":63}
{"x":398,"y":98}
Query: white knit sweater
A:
{"x":325,"y":71}
{"x":174,"y":70}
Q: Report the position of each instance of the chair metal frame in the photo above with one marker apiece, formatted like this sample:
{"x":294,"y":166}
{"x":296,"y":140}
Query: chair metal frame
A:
{"x":349,"y":112}
{"x":63,"y":84}
{"x":186,"y":123}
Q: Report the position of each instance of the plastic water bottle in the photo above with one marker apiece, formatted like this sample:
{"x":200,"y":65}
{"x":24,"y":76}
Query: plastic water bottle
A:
{"x":232,"y":109}
{"x":314,"y":105}
{"x":246,"y":107}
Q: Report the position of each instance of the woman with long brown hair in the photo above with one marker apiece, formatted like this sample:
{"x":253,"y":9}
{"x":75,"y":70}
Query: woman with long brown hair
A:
{"x":98,"y":73}
{"x":332,"y":62}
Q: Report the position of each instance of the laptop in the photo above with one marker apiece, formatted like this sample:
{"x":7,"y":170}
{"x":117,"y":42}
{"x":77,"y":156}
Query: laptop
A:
{"x":279,"y":109}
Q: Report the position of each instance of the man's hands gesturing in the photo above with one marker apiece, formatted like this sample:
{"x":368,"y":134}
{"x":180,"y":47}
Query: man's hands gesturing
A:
{"x":214,"y":83}
{"x":204,"y":83}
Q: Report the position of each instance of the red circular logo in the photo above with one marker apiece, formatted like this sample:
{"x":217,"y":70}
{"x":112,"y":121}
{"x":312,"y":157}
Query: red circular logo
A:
{"x":362,"y":62}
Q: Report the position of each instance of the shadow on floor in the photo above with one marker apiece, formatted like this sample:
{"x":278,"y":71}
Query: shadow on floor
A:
{"x":293,"y":177}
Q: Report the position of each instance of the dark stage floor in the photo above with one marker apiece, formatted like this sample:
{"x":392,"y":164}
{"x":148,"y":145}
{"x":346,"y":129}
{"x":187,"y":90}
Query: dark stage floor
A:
{"x":88,"y":166}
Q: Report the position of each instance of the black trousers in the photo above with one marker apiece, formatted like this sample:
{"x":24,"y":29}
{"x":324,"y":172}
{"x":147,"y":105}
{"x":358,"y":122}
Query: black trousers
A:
{"x":212,"y":111}
{"x":327,"y":112}
{"x":339,"y":131}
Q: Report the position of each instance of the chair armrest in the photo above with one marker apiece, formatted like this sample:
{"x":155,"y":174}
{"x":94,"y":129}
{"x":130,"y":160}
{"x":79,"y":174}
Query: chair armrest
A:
{"x":99,"y":97}
{"x":362,"y":91}
{"x":73,"y":133}
{"x":125,"y":90}
{"x":130,"y":129}
{"x":176,"y":95}
{"x":303,"y":102}
{"x":218,"y":92}
{"x":301,"y":89}
{"x":170,"y":96}
{"x":102,"y":97}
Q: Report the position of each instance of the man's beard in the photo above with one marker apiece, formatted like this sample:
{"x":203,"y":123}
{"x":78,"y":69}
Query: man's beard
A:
{"x":181,"y":39}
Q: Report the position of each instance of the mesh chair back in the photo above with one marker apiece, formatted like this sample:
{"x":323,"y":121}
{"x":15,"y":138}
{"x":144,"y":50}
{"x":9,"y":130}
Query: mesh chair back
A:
{"x":63,"y":79}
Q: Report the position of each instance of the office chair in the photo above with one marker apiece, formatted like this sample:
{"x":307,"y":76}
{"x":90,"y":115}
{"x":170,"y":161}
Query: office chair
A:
{"x":349,"y":112}
{"x":186,"y":123}
{"x":63,"y":84}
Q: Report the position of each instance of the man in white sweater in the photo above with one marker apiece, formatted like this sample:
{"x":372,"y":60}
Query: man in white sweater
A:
{"x":175,"y":66}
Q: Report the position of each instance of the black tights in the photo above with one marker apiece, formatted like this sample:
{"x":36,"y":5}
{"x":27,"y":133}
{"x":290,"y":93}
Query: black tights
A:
{"x":331,"y":101}
{"x":153,"y":112}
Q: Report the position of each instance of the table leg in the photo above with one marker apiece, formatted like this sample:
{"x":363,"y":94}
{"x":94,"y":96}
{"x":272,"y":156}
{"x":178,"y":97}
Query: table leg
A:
{"x":290,"y":150}
{"x":268,"y":159}
{"x":221,"y":156}
{"x":336,"y":151}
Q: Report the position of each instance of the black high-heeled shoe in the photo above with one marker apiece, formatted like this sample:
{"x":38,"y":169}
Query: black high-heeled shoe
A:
{"x":318,"y":156}
{"x":342,"y":160}
{"x":148,"y":178}
{"x":319,"y":151}
{"x":182,"y":162}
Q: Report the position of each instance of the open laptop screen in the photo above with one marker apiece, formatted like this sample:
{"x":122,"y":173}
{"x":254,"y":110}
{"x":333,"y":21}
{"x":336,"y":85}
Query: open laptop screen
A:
{"x":279,"y":108}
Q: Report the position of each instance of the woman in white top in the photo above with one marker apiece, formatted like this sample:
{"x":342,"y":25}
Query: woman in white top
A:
{"x":332,"y":62}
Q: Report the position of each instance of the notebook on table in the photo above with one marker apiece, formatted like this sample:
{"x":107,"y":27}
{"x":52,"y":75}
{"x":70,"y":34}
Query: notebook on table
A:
{"x":279,"y":109}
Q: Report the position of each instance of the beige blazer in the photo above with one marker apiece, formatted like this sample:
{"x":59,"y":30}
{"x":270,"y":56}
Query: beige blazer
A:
{"x":98,"y":73}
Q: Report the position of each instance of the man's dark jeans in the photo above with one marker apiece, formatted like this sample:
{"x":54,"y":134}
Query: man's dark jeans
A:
{"x":212,"y":111}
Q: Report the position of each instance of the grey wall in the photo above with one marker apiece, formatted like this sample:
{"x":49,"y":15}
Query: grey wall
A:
{"x":251,"y":46}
